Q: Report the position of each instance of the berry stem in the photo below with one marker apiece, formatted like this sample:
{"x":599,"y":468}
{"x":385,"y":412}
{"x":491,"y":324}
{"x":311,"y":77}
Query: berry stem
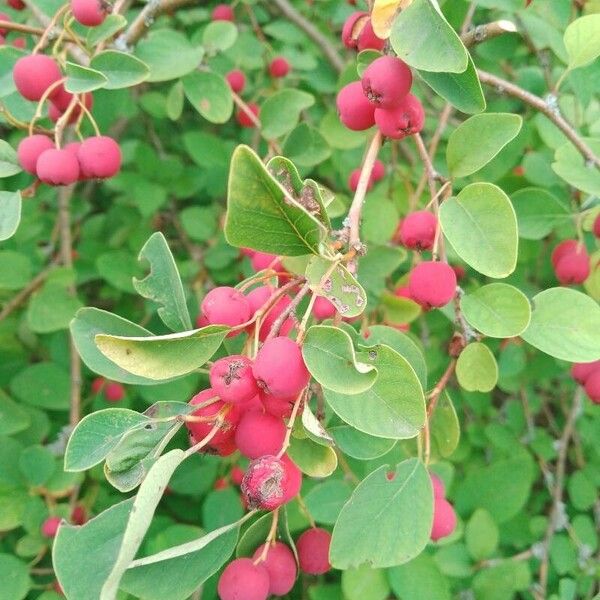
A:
{"x":38,"y":109}
{"x":51,"y":25}
{"x":290,"y":425}
{"x":211,"y":434}
{"x":271,"y":537}
{"x":88,"y":114}
{"x":287,"y":311}
{"x":305,"y":511}
{"x":62,"y":123}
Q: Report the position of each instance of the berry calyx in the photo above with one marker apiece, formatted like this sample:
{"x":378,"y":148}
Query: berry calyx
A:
{"x":386,"y":82}
{"x":243,"y":580}
{"x":222,"y":12}
{"x":114,"y":392}
{"x":50,"y":526}
{"x":231,"y":379}
{"x":88,"y":12}
{"x":432,"y":284}
{"x":313,"y":551}
{"x":259,"y":434}
{"x":236,"y":80}
{"x":99,"y":157}
{"x":355,"y":111}
{"x":417,"y":230}
{"x":405,"y":119}
{"x":34,"y":74}
{"x":444,"y":519}
{"x":281,"y":565}
{"x":279,"y":67}
{"x":226,"y":306}
{"x":29,"y":151}
{"x":57,"y":167}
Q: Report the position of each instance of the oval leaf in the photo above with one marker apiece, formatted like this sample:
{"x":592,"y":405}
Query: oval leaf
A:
{"x":209,"y":94}
{"x":582,"y":40}
{"x":83,"y":79}
{"x":538,"y":212}
{"x":10,"y":213}
{"x":476,"y":368}
{"x":280,"y":112}
{"x":120,"y":69}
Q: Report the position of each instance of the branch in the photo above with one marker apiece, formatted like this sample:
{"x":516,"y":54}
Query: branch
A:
{"x":505,"y":87}
{"x":332,"y":55}
{"x":481,"y":33}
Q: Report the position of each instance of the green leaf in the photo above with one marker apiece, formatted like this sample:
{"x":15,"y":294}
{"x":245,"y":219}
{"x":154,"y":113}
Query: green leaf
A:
{"x":462,"y":90}
{"x":13,"y":418}
{"x":419,"y":579}
{"x":582,"y":40}
{"x":481,"y":225}
{"x":175,"y":97}
{"x":444,"y":428}
{"x":306,"y":146}
{"x":481,"y":535}
{"x":37,"y":464}
{"x":253,"y":536}
{"x":168,"y":54}
{"x":262,"y":215}
{"x":396,"y":401}
{"x":399,"y":310}
{"x":316,"y":460}
{"x":497,"y":310}
{"x":43,"y":384}
{"x":313,"y":428}
{"x":476,"y":141}
{"x":9,"y":164}
{"x":476,"y":368}
{"x":423,"y":39}
{"x":219,"y":36}
{"x":88,"y":323}
{"x":565,"y":324}
{"x":572,"y":167}
{"x":209,"y":94}
{"x":111,"y":25}
{"x":336,"y":284}
{"x":16,"y":582}
{"x":364,"y":583}
{"x":325,"y":500}
{"x":159,"y":358}
{"x":52,"y":308}
{"x":163,"y":284}
{"x":386,"y":522}
{"x":359,"y":445}
{"x":538,"y":212}
{"x":120,"y":69}
{"x":10,"y":213}
{"x":330,"y":358}
{"x":280,"y":112}
{"x":83,"y":79}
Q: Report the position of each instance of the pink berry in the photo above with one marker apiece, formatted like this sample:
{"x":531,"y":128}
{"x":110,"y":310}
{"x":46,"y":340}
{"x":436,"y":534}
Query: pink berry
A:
{"x":444,"y":519}
{"x":323,"y":309}
{"x":50,"y":526}
{"x":432,"y":284}
{"x":73,"y":148}
{"x":459,"y":271}
{"x":279,"y":67}
{"x":243,"y":580}
{"x":355,"y":111}
{"x":263,"y":260}
{"x":34,"y":74}
{"x":201,"y":321}
{"x":353,"y":180}
{"x":313,"y":551}
{"x":378,"y":172}
{"x":259,"y":296}
{"x":236,"y":80}
{"x":226,"y":306}
{"x":244,"y":119}
{"x":581,"y":371}
{"x":259,"y":434}
{"x":57,"y":167}
{"x":29,"y":151}
{"x":596,"y":227}
{"x":270,"y":482}
{"x":222,"y":12}
{"x":278,"y":407}
{"x":405,"y":119}
{"x":100,"y":157}
{"x":386,"y":81}
{"x":592,"y":387}
{"x":20,"y":43}
{"x":352,"y":27}
{"x":4,"y":17}
{"x":79,"y":515}
{"x":88,"y":12}
{"x":367,"y":40}
{"x":439,"y":489}
{"x":98,"y":384}
{"x":232,"y":380}
{"x":402,"y":292}
{"x":225,"y":448}
{"x":417,"y":230}
{"x":236,"y":475}
{"x":279,"y":368}
{"x":561,"y":250}
{"x":573,"y":268}
{"x":62,"y":99}
{"x":114,"y":392}
{"x":200,"y":429}
{"x":281,"y":565}
{"x":16,"y":4}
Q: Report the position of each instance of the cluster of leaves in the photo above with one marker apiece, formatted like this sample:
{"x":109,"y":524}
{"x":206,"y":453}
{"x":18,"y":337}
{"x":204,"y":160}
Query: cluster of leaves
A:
{"x":519,"y":186}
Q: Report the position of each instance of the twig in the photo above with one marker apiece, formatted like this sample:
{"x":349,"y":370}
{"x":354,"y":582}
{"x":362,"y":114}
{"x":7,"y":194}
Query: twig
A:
{"x":430,"y":172}
{"x":481,"y":33}
{"x":246,"y":109}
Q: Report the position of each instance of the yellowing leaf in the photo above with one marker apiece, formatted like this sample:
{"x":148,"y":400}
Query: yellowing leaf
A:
{"x":383,"y":14}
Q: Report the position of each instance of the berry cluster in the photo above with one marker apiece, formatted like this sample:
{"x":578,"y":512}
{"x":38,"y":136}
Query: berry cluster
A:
{"x":588,"y":376}
{"x":571,"y":262}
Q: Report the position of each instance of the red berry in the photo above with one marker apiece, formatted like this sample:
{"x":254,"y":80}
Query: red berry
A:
{"x":226,"y":306}
{"x":281,"y":565}
{"x":73,"y":148}
{"x":270,"y":482}
{"x":367,"y":40}
{"x":16,"y":4}
{"x":50,"y":526}
{"x":29,"y":151}
{"x":459,"y":271}
{"x":98,"y":384}
{"x":279,"y":368}
{"x":592,"y":387}
{"x":200,"y":429}
{"x":231,"y":379}
{"x":596,"y":227}
{"x":405,"y":119}
{"x":432,"y":284}
{"x":100,"y":157}
{"x":378,"y":172}
{"x":236,"y":80}
{"x":561,"y":250}
{"x":352,"y":27}
{"x":355,"y":111}
{"x":386,"y":81}
{"x":63,"y":98}
{"x":278,"y":407}
{"x":581,"y":371}
{"x":88,"y":12}
{"x":402,"y":292}
{"x":78,"y":515}
{"x":259,"y":434}
{"x":57,"y":167}
{"x":353,"y":180}
{"x":323,"y":309}
{"x":20,"y":43}
{"x":222,"y":12}
{"x":439,"y":489}
{"x":243,"y":580}
{"x":4,"y":17}
{"x":573,"y":268}
{"x":244,"y":119}
{"x":236,"y":475}
{"x":201,"y":321}
{"x":225,"y":448}
{"x":263,"y":260}
{"x":313,"y":551}
{"x":114,"y":392}
{"x":417,"y":230}
{"x":279,"y":67}
{"x":34,"y":74}
{"x":220,"y":484}
{"x":444,"y":519}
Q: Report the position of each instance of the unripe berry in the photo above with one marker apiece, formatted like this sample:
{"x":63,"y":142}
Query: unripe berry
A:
{"x":226,"y":306}
{"x":270,"y":482}
{"x":279,"y":368}
{"x":29,"y":151}
{"x":236,"y":475}
{"x":432,"y":284}
{"x":50,"y":526}
{"x":231,"y":379}
{"x":596,"y":227}
{"x":222,"y":12}
{"x":573,"y":268}
{"x":444,"y":519}
{"x":244,"y":119}
{"x":259,"y":434}
{"x":243,"y":580}
{"x":386,"y":81}
{"x":405,"y":119}
{"x":88,"y":12}
{"x":563,"y":249}
{"x":367,"y":40}
{"x":581,"y":371}
{"x":323,"y":309}
{"x":352,"y":27}
{"x":378,"y":172}
{"x":98,"y":384}
{"x":353,"y":180}
{"x":200,"y":429}
{"x":439,"y":489}
{"x":279,"y":67}
{"x":592,"y":387}
{"x":281,"y":565}
{"x":100,"y":157}
{"x":113,"y":391}
{"x":236,"y":80}
{"x":57,"y":167}
{"x":417,"y":230}
{"x":355,"y":111}
{"x":313,"y":551}
{"x":34,"y":74}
